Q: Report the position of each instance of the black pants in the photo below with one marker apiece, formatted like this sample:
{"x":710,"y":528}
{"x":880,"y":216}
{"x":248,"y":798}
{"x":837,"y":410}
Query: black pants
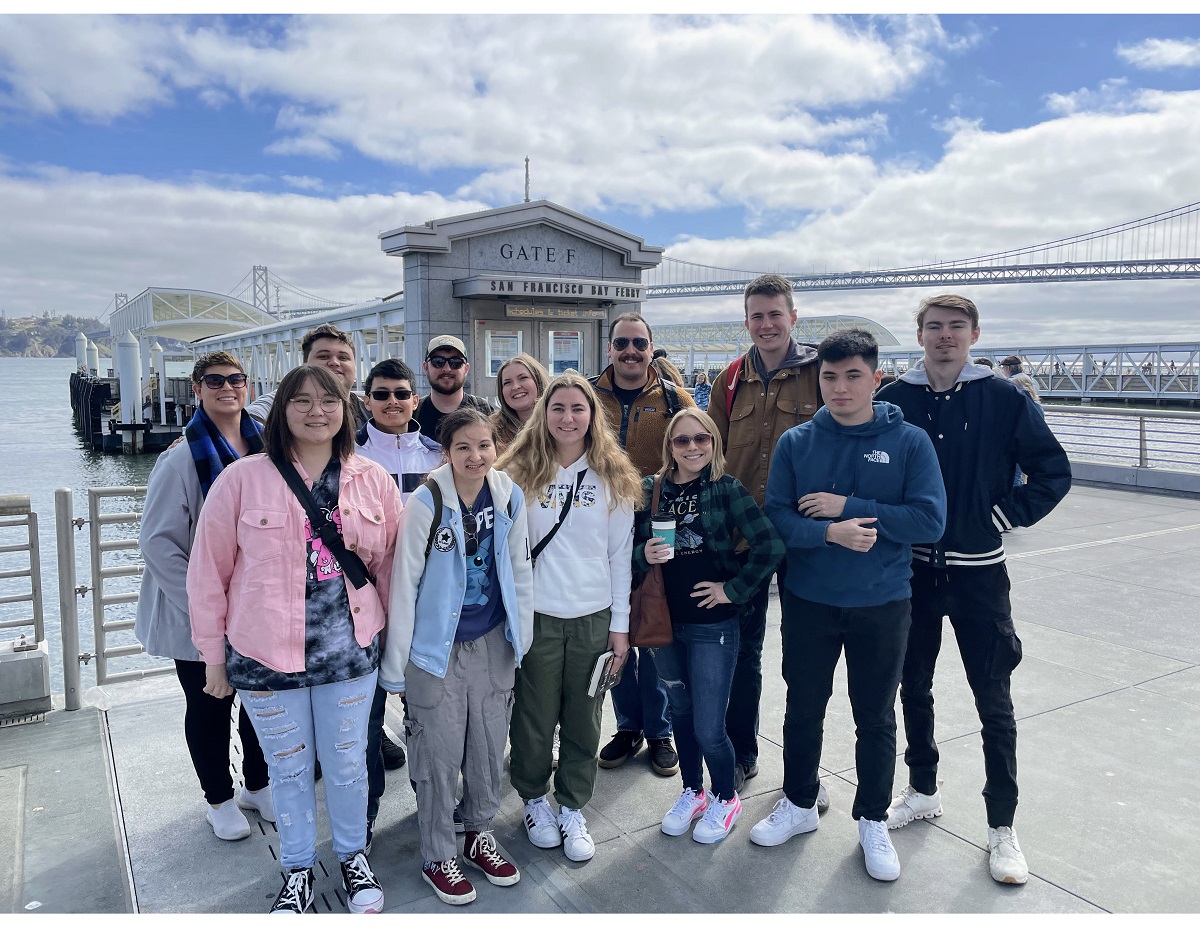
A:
{"x":976,"y":601}
{"x":813,"y":638}
{"x":741,"y":717}
{"x":206,"y":727}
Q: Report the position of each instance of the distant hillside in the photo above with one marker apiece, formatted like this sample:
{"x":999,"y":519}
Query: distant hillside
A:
{"x":49,"y":336}
{"x":54,"y":336}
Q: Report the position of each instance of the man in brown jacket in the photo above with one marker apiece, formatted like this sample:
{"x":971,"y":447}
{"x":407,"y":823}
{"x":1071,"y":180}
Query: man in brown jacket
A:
{"x":638,"y":405}
{"x":754,"y":400}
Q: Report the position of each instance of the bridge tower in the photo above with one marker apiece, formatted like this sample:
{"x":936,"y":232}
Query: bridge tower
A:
{"x":262,"y":297}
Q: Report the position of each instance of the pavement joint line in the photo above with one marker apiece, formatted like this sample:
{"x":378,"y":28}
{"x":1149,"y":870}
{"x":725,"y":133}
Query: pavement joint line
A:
{"x":1033,"y":875}
{"x":119,"y":811}
{"x":1086,"y":544}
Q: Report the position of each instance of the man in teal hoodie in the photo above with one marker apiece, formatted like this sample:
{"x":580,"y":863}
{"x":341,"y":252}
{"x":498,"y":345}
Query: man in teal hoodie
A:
{"x":849,"y":491}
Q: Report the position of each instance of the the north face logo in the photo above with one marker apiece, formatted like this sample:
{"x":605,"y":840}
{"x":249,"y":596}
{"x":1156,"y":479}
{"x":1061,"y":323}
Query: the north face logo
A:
{"x":877,"y":457}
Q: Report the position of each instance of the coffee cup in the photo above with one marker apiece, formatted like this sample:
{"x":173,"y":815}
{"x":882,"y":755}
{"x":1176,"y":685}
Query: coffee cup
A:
{"x":664,"y":528}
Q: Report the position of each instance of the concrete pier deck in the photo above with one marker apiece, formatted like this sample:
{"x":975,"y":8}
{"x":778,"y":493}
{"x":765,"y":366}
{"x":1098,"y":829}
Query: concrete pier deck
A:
{"x":103,"y":812}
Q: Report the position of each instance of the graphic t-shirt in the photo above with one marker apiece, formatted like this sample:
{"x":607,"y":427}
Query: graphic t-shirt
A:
{"x":331,"y":652}
{"x":482,"y":607}
{"x":692,"y":563}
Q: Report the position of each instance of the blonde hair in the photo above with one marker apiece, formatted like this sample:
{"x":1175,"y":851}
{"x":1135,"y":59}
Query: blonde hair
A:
{"x":508,"y":423}
{"x":532,"y":458}
{"x":705,"y":423}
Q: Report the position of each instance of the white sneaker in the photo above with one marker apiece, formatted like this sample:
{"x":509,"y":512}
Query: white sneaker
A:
{"x":911,"y":805}
{"x":718,"y":820}
{"x":688,"y":806}
{"x":1007,"y":862}
{"x":540,"y":824}
{"x":577,"y":842}
{"x":878,"y":853}
{"x":783,"y":823}
{"x":228,"y":822}
{"x":259,"y":801}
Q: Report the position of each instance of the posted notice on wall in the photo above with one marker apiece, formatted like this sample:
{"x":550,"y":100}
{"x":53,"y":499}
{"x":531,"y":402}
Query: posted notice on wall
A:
{"x":565,"y":352}
{"x":501,"y":345}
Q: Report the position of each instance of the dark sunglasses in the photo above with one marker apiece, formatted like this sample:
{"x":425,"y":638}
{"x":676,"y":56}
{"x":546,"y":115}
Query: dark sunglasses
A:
{"x":701,"y":440}
{"x":216,"y":380}
{"x":622,"y":343}
{"x":381,"y":395}
{"x":471,"y":530}
{"x":438,"y":361}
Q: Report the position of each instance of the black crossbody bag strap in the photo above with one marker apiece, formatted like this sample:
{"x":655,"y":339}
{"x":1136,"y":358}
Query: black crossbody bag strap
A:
{"x":541,"y":545}
{"x":352,"y":566}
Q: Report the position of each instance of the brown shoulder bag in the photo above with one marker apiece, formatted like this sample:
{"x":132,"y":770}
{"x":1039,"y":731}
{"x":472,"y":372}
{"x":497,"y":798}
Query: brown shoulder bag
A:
{"x":649,"y":617}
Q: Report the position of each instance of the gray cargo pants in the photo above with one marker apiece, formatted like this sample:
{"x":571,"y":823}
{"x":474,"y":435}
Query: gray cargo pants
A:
{"x":459,"y":723}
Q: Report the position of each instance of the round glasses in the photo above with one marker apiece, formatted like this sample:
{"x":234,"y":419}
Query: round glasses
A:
{"x":304,"y":404}
{"x":622,"y":343}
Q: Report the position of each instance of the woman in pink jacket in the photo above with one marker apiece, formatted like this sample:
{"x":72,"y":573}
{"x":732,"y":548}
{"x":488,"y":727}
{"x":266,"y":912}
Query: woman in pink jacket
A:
{"x":275,"y":617}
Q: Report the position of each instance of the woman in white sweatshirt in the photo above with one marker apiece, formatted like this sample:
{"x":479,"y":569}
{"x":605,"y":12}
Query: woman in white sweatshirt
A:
{"x":582,"y":491}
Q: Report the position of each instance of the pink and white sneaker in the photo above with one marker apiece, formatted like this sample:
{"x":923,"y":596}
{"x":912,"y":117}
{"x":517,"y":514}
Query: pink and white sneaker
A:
{"x":689,"y":806}
{"x":718,"y":820}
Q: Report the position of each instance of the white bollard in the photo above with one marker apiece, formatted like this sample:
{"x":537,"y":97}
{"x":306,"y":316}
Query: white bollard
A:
{"x":129,"y":376}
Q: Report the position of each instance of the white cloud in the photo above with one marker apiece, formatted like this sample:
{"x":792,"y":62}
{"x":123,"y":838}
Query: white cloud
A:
{"x":645,"y":115}
{"x":94,"y":66}
{"x":1113,"y":95}
{"x":303,"y":183}
{"x":122,"y":234}
{"x":656,"y":112}
{"x":1160,"y":54}
{"x":992,"y":191}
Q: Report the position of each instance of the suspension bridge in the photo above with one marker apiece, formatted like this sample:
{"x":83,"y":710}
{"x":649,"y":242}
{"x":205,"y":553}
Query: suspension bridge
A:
{"x":265,"y":315}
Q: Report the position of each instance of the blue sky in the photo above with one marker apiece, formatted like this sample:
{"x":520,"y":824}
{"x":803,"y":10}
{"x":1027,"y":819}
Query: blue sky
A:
{"x":173,"y":151}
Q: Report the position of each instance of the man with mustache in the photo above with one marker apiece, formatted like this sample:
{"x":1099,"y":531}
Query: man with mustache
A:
{"x":638,"y":404}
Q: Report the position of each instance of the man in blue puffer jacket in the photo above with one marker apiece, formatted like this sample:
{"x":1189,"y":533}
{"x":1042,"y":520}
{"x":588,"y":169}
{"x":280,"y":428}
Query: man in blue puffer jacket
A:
{"x":850,"y":492}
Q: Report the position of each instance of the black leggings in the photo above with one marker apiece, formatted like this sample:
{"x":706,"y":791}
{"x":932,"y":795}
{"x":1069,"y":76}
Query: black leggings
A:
{"x":206,"y":727}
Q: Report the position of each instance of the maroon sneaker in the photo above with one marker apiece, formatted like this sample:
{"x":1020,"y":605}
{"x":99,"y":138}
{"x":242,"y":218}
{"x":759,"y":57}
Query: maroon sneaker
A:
{"x":449,"y":882}
{"x":480,"y":851}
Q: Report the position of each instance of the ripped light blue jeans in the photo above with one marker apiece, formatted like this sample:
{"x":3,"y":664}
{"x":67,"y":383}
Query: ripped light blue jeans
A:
{"x":333,"y":719}
{"x":697,"y":668}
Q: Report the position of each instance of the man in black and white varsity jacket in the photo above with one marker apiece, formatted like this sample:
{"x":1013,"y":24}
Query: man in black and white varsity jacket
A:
{"x":981,"y":429}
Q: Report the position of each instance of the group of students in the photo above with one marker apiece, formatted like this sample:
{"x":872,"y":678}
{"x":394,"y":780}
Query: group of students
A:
{"x":482,"y":576}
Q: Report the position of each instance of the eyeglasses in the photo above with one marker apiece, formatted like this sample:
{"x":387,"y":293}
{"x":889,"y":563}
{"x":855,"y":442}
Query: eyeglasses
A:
{"x":216,"y":380}
{"x":701,"y":440}
{"x":622,"y":343}
{"x":304,"y":404}
{"x":471,"y":530}
{"x":381,"y":395}
{"x":438,"y":361}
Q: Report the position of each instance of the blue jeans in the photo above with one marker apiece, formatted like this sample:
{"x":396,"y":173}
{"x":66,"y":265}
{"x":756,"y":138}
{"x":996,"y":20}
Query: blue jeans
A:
{"x":697,"y":667}
{"x":333,"y":718}
{"x":640,"y":699}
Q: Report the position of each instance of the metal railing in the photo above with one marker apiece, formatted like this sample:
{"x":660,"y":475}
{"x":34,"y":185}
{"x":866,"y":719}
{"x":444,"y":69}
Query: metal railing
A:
{"x":104,"y":596}
{"x":1168,"y":440}
{"x":16,"y":512}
